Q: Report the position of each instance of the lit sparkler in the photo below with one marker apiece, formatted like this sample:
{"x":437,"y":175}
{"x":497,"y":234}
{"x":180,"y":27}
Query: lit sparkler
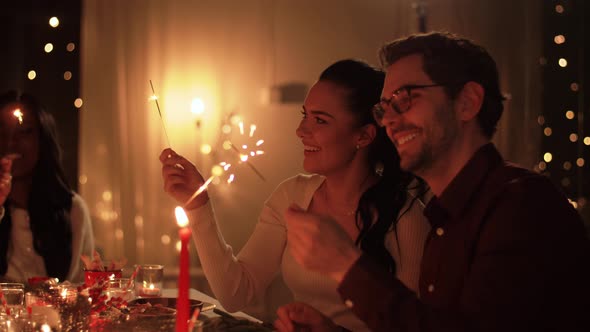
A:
{"x":155,"y":98}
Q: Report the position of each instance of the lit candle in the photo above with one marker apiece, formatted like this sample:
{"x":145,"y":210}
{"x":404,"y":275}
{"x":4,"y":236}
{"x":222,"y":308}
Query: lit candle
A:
{"x":151,"y":290}
{"x":182,"y":302}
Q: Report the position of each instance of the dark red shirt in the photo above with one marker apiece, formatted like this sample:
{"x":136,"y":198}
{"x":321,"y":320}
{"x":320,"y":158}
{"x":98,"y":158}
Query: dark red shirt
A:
{"x":507,"y":252}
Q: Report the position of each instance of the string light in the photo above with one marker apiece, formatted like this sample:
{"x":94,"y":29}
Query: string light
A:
{"x":562,"y":62}
{"x":54,"y":22}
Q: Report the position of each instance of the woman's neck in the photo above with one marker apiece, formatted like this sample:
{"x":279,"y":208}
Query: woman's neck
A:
{"x":346,"y":188}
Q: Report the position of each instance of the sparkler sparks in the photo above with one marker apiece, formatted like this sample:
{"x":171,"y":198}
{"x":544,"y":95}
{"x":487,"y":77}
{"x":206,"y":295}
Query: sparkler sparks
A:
{"x":19,"y":115}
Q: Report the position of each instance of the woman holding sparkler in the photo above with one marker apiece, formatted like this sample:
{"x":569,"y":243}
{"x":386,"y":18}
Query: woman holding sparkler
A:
{"x":355,"y":178}
{"x":45,"y":226}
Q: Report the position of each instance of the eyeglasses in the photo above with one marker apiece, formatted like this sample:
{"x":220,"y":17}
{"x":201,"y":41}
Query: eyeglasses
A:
{"x":400,"y":101}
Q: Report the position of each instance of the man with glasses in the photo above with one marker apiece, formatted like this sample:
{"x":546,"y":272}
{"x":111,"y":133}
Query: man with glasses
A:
{"x":507,"y":252}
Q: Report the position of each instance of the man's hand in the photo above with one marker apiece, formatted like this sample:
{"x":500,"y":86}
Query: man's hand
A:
{"x":298,"y":317}
{"x":319,"y":243}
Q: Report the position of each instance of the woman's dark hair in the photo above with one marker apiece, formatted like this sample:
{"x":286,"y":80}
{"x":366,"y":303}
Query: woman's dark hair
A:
{"x":388,"y":196}
{"x":50,"y":198}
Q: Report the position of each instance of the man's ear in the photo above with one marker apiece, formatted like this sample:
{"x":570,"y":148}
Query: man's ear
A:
{"x":367,"y":135}
{"x":469,"y":101}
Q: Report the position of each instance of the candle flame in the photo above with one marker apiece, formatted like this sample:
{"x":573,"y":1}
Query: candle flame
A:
{"x":19,"y":115}
{"x":181,"y":218}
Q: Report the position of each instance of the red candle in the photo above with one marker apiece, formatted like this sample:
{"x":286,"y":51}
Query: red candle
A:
{"x":182,"y":302}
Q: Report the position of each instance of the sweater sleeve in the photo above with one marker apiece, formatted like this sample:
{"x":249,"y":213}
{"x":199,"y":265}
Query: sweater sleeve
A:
{"x":238,"y":280}
{"x":82,"y":237}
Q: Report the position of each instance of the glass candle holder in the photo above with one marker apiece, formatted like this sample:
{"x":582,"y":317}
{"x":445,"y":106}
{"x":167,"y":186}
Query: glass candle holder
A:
{"x":149,"y":280}
{"x":121,"y":288}
{"x":14,"y":294}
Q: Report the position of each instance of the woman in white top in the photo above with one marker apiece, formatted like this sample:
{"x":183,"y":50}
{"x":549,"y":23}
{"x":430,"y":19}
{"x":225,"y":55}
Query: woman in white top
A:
{"x":355,"y":178}
{"x":44,"y":225}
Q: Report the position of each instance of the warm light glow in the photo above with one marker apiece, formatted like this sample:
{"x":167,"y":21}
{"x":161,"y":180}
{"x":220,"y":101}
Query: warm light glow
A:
{"x":197,"y":106}
{"x":559,"y":9}
{"x":562,"y":62}
{"x":587,"y":140}
{"x":570,"y":114}
{"x":138,"y":221}
{"x":241,"y":125}
{"x":226,"y":129}
{"x":165,"y":239}
{"x":243,"y":157}
{"x":71,"y":47}
{"x":235,"y":119}
{"x":48,"y":47}
{"x":31,"y":74}
{"x":547,"y":131}
{"x":574,"y":87}
{"x":567,"y":165}
{"x":119,"y":234}
{"x":231,"y":178}
{"x":45,"y":328}
{"x":54,"y":22}
{"x":244,"y":146}
{"x":580,"y":162}
{"x":548,"y":157}
{"x":252,"y":129}
{"x":67,"y":75}
{"x":542,"y":166}
{"x":226,"y":166}
{"x":153,"y":97}
{"x":559,"y":39}
{"x":216,"y":170}
{"x":78,"y":102}
{"x":226,"y":145}
{"x":107,"y":196}
{"x":260,"y":142}
{"x":573,"y":203}
{"x":19,"y":115}
{"x":541,"y":120}
{"x":181,"y":218}
{"x":259,"y":152}
{"x":178,"y":245}
{"x":206,"y":148}
{"x":573,"y":137}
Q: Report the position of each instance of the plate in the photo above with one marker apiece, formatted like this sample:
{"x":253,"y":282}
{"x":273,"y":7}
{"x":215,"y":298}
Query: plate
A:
{"x":170,"y":302}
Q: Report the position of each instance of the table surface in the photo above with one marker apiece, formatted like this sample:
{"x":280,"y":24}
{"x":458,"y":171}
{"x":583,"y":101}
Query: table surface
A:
{"x":197,"y":295}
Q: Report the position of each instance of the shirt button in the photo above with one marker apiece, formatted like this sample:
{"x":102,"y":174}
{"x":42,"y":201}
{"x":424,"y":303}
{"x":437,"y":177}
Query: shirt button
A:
{"x":348,"y":304}
{"x":430,"y":288}
{"x":440,"y":231}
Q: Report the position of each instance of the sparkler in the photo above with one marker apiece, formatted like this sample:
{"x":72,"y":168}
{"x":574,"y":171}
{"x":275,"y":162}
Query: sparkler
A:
{"x":243,"y":155}
{"x":155,"y":98}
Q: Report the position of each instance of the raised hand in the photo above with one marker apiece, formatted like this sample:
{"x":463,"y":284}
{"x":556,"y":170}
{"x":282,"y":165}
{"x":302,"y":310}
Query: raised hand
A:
{"x":299,"y":317}
{"x":319,"y":244}
{"x":5,"y":176}
{"x":181,"y":179}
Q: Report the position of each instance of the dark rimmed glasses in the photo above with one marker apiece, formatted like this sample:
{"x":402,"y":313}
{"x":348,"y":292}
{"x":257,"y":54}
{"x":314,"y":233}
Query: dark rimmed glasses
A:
{"x":400,"y":101}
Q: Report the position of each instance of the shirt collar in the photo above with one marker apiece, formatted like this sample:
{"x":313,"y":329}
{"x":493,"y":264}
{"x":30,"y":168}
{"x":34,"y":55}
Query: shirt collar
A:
{"x":455,"y":198}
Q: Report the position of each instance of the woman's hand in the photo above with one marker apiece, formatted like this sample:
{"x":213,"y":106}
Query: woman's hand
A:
{"x":298,"y":316}
{"x":6,"y":177}
{"x":182,"y":179}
